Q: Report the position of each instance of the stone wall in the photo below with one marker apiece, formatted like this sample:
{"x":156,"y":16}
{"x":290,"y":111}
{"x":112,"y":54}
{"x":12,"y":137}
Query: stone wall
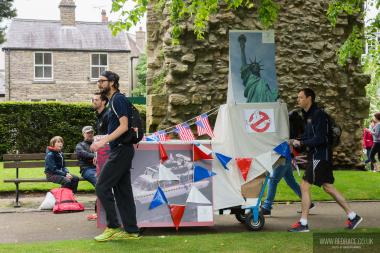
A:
{"x":195,"y":73}
{"x":71,"y":76}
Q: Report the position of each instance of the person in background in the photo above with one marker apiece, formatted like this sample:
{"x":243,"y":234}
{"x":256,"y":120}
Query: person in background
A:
{"x":375,"y":131}
{"x":85,"y":156}
{"x":368,"y":142}
{"x":87,"y":160}
{"x":99,"y":103}
{"x":285,"y":171}
{"x":55,"y":169}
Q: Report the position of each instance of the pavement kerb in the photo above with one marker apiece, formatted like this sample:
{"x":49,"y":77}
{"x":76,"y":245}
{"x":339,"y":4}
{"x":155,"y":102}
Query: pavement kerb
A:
{"x":89,"y":204}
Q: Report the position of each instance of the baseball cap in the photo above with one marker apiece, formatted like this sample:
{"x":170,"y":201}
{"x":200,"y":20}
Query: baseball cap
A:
{"x":87,"y":129}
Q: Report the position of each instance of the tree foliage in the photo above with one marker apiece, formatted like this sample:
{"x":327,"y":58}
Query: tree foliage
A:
{"x":141,"y":68}
{"x":372,"y":61}
{"x":6,"y":12}
{"x":199,"y":12}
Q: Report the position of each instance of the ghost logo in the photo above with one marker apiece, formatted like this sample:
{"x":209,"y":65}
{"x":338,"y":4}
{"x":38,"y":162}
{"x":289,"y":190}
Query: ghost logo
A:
{"x":259,"y":121}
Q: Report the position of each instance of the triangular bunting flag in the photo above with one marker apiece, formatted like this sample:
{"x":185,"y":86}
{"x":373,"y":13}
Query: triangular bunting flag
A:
{"x":201,"y":173}
{"x":165,"y":173}
{"x":195,"y":196}
{"x":163,"y":155}
{"x":152,"y":138}
{"x":244,"y":164}
{"x":224,"y":160}
{"x":265,"y":160}
{"x":201,"y":152}
{"x":158,"y":199}
{"x":177,"y":212}
{"x":284,"y":150}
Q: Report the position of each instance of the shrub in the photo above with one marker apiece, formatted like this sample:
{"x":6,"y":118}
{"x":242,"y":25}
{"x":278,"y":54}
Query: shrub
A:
{"x":28,"y":127}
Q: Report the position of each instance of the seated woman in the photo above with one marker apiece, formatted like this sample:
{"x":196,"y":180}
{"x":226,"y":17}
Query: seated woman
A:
{"x":55,"y":169}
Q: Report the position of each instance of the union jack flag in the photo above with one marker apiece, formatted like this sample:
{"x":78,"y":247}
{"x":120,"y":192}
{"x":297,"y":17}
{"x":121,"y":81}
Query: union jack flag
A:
{"x":185,"y":132}
{"x":203,"y":126}
{"x":161,"y":135}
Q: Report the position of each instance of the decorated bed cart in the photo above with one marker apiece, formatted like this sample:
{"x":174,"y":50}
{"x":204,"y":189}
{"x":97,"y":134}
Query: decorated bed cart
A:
{"x":185,"y":182}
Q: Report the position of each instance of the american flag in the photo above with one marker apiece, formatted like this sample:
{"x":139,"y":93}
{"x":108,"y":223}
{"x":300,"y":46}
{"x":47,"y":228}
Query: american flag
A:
{"x":161,"y":135}
{"x":203,"y":126}
{"x":184,"y":132}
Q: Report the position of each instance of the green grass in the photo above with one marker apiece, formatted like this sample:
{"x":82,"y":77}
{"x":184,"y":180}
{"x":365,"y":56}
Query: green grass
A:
{"x":355,"y":185}
{"x":35,"y":173}
{"x":224,"y":242}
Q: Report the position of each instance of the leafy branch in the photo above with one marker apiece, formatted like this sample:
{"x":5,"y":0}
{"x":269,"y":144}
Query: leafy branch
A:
{"x":199,"y":11}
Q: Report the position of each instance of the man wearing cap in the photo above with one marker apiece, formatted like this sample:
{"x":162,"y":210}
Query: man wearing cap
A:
{"x":86,"y":157}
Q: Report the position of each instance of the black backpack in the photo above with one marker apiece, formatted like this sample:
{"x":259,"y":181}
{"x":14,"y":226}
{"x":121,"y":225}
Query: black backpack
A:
{"x":136,"y":131}
{"x":334,"y":131}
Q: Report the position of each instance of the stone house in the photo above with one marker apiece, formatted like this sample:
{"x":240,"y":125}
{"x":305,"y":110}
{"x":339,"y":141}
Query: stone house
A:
{"x":61,"y":60}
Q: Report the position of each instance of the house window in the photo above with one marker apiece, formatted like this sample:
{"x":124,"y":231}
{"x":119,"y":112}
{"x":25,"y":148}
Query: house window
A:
{"x":99,"y":63}
{"x":43,"y":66}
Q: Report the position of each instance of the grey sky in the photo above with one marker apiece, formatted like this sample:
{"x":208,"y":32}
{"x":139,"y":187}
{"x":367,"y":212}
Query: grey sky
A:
{"x":86,"y":10}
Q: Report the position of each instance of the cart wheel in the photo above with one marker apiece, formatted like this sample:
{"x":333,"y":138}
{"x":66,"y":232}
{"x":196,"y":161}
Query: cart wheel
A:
{"x":252,"y":225}
{"x":240,"y":217}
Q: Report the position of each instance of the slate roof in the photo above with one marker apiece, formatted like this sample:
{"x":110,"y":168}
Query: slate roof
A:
{"x":51,"y":35}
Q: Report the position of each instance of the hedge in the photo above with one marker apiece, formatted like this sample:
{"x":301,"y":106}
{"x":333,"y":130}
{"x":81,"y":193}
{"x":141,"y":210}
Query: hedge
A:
{"x":28,"y":126}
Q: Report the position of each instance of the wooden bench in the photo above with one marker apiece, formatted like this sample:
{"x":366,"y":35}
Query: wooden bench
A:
{"x":30,"y":161}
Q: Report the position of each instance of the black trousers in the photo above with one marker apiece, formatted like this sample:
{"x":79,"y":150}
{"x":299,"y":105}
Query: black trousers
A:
{"x":375,"y":150}
{"x":116,"y":175}
{"x":64,"y":181}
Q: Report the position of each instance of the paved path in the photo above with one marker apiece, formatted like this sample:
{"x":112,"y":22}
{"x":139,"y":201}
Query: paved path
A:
{"x":28,"y":225}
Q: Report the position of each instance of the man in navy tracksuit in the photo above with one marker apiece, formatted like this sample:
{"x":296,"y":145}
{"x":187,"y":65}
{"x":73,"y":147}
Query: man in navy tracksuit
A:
{"x":319,"y":170}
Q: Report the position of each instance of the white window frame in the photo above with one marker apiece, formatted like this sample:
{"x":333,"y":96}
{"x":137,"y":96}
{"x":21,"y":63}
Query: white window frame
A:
{"x":43,"y":65}
{"x":99,"y":66}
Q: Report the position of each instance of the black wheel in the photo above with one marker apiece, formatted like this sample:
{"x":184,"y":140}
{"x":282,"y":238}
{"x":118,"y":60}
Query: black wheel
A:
{"x":240,"y":217}
{"x":252,"y":225}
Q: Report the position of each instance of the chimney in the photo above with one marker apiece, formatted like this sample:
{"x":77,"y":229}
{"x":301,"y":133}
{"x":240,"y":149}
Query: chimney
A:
{"x":67,"y":10}
{"x":140,"y":38}
{"x":104,"y":16}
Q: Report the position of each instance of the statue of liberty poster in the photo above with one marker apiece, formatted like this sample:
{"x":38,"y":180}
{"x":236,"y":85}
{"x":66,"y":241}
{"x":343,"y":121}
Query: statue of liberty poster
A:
{"x":252,"y":76}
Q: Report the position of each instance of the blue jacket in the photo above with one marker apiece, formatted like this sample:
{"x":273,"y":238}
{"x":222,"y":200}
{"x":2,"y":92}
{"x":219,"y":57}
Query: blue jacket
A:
{"x":55,"y":163}
{"x":315,"y":136}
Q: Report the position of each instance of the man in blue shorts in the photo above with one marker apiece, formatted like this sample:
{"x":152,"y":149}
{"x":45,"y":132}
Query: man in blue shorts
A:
{"x":319,"y":170}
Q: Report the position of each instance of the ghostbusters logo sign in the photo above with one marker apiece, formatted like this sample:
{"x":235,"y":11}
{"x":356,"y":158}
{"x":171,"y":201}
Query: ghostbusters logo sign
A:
{"x":260,"y":121}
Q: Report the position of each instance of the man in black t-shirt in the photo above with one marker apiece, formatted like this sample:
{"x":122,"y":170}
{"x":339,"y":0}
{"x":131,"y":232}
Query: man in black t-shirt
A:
{"x":114,"y":182}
